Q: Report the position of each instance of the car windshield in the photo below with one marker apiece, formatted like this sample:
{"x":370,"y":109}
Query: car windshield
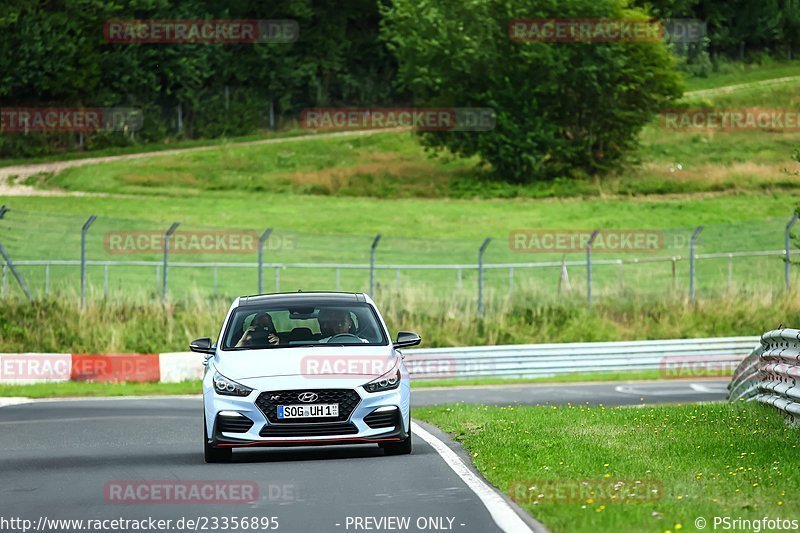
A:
{"x":292,"y":325}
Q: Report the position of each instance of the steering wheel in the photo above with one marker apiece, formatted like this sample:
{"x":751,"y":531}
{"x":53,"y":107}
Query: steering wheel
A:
{"x":343,"y":336}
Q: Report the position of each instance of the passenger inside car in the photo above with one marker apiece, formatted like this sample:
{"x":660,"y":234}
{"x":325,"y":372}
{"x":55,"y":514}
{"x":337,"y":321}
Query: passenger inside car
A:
{"x":261,"y":332}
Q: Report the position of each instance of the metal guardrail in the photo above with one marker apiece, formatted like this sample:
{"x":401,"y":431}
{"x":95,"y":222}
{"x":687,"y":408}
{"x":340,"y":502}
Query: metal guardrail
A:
{"x":714,"y":357}
{"x":770,"y":374}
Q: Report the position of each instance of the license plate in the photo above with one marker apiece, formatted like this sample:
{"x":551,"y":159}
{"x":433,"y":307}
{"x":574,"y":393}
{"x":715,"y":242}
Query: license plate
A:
{"x":308,"y":411}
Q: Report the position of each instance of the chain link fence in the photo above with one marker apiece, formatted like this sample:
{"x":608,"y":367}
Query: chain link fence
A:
{"x":125,"y":257}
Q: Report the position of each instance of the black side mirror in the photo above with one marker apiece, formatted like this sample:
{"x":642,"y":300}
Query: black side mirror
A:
{"x":202,"y":346}
{"x":406,"y":338}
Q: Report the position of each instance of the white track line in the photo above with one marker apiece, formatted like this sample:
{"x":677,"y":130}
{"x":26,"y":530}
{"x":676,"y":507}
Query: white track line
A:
{"x":13,"y":400}
{"x":504,"y":516}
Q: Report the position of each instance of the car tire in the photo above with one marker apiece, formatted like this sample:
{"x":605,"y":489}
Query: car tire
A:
{"x":212,"y":454}
{"x":398,"y":448}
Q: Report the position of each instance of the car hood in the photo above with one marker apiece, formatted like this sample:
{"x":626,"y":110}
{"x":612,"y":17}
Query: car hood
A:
{"x":312,"y":362}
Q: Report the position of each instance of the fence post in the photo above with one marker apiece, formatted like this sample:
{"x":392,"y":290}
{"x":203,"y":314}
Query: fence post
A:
{"x":674,"y":278}
{"x":15,"y":273}
{"x":691,"y":261}
{"x":480,"y":274}
{"x":589,"y":267}
{"x":261,"y":241}
{"x":3,"y":211}
{"x":372,"y":264}
{"x":730,"y":272}
{"x":167,"y":236}
{"x":787,"y":235}
{"x":84,"y":230}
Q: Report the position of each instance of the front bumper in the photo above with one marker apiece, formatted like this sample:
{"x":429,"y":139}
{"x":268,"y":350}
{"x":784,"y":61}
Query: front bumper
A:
{"x":357,"y":430}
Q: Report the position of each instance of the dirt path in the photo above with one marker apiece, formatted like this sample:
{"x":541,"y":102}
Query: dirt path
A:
{"x":22,"y":172}
{"x":727,"y":89}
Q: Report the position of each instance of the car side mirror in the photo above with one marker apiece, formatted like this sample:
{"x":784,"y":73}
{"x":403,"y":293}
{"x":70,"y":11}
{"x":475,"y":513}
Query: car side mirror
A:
{"x":406,"y":338}
{"x":202,"y":346}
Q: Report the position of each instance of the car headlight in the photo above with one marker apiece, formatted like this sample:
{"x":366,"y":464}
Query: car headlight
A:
{"x":384,"y":383}
{"x":227,"y":387}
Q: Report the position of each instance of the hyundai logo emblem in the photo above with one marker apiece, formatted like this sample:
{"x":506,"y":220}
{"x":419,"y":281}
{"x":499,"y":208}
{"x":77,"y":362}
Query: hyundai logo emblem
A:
{"x":307,"y":397}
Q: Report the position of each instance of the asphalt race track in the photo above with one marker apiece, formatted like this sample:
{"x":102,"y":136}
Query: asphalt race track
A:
{"x":609,"y":394}
{"x":63,"y":458}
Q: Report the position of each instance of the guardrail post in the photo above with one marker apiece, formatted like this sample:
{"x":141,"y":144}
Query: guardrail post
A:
{"x":261,"y":241}
{"x":84,"y":230}
{"x":589,"y":267}
{"x":787,"y":235}
{"x":15,"y":273}
{"x":167,"y":236}
{"x":372,"y":263}
{"x":691,"y":261}
{"x":480,"y":274}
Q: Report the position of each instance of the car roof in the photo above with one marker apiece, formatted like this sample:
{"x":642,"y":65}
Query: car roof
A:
{"x":302,"y":298}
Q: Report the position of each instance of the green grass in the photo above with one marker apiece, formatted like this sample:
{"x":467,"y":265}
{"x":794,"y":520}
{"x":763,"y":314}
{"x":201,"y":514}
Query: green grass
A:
{"x":166,"y":144}
{"x":123,"y":325}
{"x":78,"y":389}
{"x":740,"y":73}
{"x":703,"y":460}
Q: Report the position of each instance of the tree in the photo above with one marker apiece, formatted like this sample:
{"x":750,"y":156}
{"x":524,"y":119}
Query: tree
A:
{"x":561,"y":108}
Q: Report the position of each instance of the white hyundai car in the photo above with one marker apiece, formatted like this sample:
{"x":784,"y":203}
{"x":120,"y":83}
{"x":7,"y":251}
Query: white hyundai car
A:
{"x":304,"y":369}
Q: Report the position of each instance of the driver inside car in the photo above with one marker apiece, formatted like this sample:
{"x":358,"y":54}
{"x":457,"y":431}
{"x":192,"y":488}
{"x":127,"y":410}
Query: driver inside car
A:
{"x":336,"y":322}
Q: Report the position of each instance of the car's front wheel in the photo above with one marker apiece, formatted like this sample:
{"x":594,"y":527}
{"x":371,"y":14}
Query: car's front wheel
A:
{"x":212,"y":454}
{"x":398,"y":448}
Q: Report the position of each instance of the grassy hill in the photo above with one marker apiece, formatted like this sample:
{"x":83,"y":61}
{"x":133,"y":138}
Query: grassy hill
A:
{"x":330,"y":196}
